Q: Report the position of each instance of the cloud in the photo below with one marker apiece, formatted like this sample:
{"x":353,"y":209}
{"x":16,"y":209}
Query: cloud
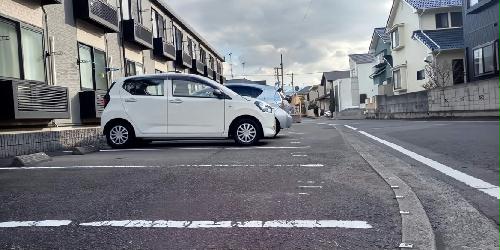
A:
{"x":313,"y":35}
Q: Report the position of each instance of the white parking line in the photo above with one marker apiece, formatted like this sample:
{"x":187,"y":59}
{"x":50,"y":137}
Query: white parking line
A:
{"x":312,"y":165}
{"x":310,"y":187}
{"x":295,"y":142}
{"x":231,"y":224}
{"x":350,"y":127}
{"x":299,"y":155}
{"x":470,"y":181}
{"x":43,"y":223}
{"x":129,"y":149}
{"x":243,"y":148}
{"x":75,"y":167}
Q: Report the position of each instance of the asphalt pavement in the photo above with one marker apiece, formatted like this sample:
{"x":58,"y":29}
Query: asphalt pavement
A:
{"x":307,"y":189}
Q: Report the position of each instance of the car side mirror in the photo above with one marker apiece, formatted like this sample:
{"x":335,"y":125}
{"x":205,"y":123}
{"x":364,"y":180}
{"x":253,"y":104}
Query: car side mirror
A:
{"x":218,"y":93}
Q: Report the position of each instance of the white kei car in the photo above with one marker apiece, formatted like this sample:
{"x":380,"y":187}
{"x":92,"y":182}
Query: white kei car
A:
{"x":181,"y":106}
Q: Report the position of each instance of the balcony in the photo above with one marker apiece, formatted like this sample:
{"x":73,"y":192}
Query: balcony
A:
{"x":24,"y":100}
{"x":134,"y":32}
{"x":217,"y":77}
{"x":184,"y":60}
{"x":163,"y":49}
{"x":91,"y":104}
{"x":198,"y":67}
{"x":209,"y":72}
{"x":98,"y":12}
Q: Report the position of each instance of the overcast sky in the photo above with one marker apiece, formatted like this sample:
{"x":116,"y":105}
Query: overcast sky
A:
{"x":313,"y":35}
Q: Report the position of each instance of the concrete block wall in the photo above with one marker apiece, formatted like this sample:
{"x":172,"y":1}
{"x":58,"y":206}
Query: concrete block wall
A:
{"x":22,"y":143}
{"x":476,"y":96}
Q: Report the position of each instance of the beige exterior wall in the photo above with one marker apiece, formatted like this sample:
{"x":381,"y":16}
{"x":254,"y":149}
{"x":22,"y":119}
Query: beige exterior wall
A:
{"x":163,"y":66}
{"x":412,"y":53}
{"x":134,"y":55}
{"x":24,"y":10}
{"x":446,"y":58}
{"x":90,"y":35}
{"x":428,"y":18}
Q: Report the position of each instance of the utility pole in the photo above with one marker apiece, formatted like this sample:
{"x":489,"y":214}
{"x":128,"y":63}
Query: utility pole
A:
{"x":292,"y":81}
{"x":282,"y":75}
{"x":231,"y":64}
{"x":243,"y":63}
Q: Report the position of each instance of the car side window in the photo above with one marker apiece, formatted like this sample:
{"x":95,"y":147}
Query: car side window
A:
{"x":188,"y":88}
{"x":144,"y":87}
{"x":246,"y":91}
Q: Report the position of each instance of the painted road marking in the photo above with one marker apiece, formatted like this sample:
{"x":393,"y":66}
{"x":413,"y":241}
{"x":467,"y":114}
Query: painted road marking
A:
{"x":295,"y":142}
{"x":311,"y":187}
{"x":231,"y":224}
{"x":312,"y":165}
{"x":130,"y":149}
{"x":243,"y":148}
{"x":75,"y":167}
{"x":304,"y":194}
{"x":299,"y":155}
{"x":471,"y":181}
{"x":43,"y":223}
{"x":350,"y":127}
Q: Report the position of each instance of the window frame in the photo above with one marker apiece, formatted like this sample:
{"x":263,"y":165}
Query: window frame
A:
{"x":191,"y":79}
{"x":18,"y":25}
{"x":494,"y":45}
{"x":461,"y":19}
{"x":399,"y":71}
{"x":92,"y":56}
{"x":421,"y":75}
{"x":447,"y":20}
{"x":395,"y":38}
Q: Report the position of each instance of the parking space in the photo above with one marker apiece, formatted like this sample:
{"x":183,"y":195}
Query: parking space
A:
{"x":305,"y":189}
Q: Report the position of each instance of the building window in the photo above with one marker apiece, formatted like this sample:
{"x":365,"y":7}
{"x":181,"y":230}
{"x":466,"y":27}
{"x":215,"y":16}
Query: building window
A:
{"x":22,"y":51}
{"x":442,"y":21}
{"x":139,"y":11}
{"x":158,"y":24}
{"x":189,"y":45}
{"x":362,"y":98}
{"x":179,"y":38}
{"x":92,"y":64}
{"x":133,"y":68}
{"x":484,"y":60}
{"x":396,"y":76}
{"x":395,"y":38}
{"x":456,"y":19}
{"x":473,"y":2}
{"x":421,"y":75}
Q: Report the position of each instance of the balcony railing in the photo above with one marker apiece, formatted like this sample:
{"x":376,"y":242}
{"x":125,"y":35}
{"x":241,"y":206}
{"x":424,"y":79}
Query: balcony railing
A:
{"x":209,"y":72}
{"x":184,"y":60}
{"x":135,"y":33}
{"x":98,"y":12}
{"x":91,"y":104}
{"x":198,"y":67}
{"x":163,"y":49}
{"x":21,"y":100}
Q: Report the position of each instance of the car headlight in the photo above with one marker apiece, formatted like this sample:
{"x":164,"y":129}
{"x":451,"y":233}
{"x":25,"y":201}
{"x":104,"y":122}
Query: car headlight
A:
{"x":264,"y":107}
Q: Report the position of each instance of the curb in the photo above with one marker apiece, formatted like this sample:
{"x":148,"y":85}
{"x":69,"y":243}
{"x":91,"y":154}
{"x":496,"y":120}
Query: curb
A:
{"x":417,"y":232}
{"x":85,"y":150}
{"x":27,"y":160}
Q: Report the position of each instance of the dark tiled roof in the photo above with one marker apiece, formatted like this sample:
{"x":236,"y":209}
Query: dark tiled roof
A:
{"x":432,"y":4}
{"x":362,"y":58}
{"x":335,"y":75}
{"x":441,"y":39}
{"x":304,"y":90}
{"x":380,"y":32}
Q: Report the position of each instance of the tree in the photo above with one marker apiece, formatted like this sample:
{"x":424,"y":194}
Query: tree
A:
{"x":438,"y":75}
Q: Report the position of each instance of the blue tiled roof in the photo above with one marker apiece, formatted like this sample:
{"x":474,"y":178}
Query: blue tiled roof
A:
{"x":432,"y":4}
{"x":362,"y":58}
{"x":386,"y":38}
{"x":441,"y":39}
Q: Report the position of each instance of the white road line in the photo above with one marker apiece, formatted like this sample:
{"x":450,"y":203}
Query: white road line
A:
{"x":130,"y":149}
{"x":312,"y":165}
{"x":304,"y":194}
{"x":471,"y":181}
{"x":310,"y":187}
{"x":295,"y":142}
{"x":231,"y":224}
{"x":43,"y":223}
{"x":350,"y":127}
{"x":303,"y":147}
{"x":75,"y":167}
{"x":299,"y":155}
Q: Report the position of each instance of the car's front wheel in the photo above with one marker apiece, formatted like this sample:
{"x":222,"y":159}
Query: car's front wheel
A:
{"x":246,"y":132}
{"x":278,"y":128}
{"x":120,"y":135}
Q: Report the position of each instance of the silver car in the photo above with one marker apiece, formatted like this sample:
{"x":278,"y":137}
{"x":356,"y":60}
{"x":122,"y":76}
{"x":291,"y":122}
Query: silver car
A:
{"x":269,"y":95}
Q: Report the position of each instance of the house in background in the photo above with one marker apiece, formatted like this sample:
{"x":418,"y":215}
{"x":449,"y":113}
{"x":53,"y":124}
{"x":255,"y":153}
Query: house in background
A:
{"x":481,"y":39}
{"x":327,"y":86}
{"x":410,"y":21}
{"x":380,"y":48}
{"x":362,"y":87}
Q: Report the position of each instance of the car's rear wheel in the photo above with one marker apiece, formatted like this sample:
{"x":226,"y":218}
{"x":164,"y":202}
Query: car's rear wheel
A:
{"x":120,"y":135}
{"x":246,"y":132}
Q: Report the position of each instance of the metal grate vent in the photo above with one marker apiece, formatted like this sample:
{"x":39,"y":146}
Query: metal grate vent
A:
{"x":35,"y":97}
{"x":104,"y":10}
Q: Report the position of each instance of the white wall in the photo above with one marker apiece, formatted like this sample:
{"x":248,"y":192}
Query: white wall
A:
{"x":345,"y":94}
{"x":366,"y":85}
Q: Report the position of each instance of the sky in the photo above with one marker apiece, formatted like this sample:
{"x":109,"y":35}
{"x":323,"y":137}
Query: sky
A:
{"x":314,"y":36}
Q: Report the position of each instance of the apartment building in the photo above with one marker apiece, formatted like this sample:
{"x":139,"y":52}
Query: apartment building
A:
{"x":481,"y":39}
{"x":60,"y":57}
{"x":423,"y":32}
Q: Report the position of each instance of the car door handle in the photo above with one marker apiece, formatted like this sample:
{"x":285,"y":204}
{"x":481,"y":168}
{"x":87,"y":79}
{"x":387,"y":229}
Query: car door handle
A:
{"x":130,"y":100}
{"x":176,"y":101}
